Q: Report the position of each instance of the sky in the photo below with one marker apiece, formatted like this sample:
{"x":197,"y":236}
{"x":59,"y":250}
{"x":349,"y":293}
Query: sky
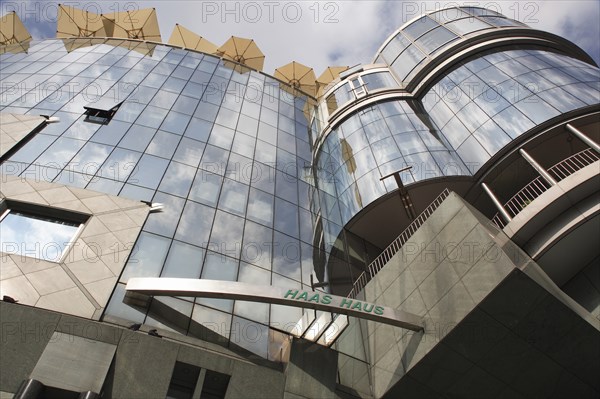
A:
{"x":319,"y":33}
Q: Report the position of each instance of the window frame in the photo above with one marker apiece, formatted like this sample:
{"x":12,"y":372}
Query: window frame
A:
{"x":48,"y":214}
{"x":100,"y":114}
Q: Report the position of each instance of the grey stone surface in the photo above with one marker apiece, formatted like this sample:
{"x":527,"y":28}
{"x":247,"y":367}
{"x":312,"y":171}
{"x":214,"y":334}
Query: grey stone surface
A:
{"x":89,"y":329}
{"x":547,"y":351}
{"x":15,"y":127}
{"x":82,"y":282}
{"x":442,"y":369}
{"x":475,"y":383}
{"x":8,"y":268}
{"x":410,"y":388}
{"x":207,"y":359}
{"x":495,"y":324}
{"x":311,"y":371}
{"x":289,"y":395}
{"x":142,"y":367}
{"x":71,"y":301}
{"x":74,"y":363}
{"x":354,"y":375}
{"x":25,"y":333}
{"x":585,"y":288}
{"x":250,"y":381}
{"x":20,"y":289}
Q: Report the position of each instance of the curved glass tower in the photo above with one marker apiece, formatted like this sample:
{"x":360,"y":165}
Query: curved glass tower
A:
{"x":169,"y":162}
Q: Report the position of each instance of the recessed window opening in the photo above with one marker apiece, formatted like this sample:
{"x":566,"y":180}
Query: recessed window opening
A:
{"x":183,"y":381}
{"x":36,"y":231}
{"x":215,"y":385}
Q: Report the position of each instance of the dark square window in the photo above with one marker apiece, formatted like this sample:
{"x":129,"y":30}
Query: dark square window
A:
{"x":183,"y":381}
{"x":101,"y":111}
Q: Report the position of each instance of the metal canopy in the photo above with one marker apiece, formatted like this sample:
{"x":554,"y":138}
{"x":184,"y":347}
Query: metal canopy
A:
{"x":80,"y":28}
{"x":73,"y":22}
{"x":298,"y":76}
{"x":13,"y":34}
{"x":184,"y":37}
{"x":275,"y":295}
{"x":137,"y":24}
{"x":329,"y":75}
{"x":244,"y":51}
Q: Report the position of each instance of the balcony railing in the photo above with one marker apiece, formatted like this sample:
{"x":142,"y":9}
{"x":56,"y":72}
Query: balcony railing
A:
{"x":538,"y":186}
{"x":387,"y":254}
{"x":574,"y":163}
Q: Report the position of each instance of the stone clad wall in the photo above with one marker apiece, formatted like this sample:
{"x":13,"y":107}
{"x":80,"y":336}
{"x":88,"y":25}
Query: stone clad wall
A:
{"x":81,"y":283}
{"x":493,"y":320}
{"x":448,"y":266}
{"x":142,"y":366}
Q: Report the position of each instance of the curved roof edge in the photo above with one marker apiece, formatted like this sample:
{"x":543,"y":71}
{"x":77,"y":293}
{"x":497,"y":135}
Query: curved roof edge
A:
{"x":416,"y":18}
{"x":241,"y":65}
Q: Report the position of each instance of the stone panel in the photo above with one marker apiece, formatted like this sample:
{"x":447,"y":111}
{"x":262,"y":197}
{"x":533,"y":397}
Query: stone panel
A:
{"x":15,"y":127}
{"x":82,"y":282}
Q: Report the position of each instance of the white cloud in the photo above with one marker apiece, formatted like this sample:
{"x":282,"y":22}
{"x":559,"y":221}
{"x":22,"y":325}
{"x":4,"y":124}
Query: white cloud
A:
{"x":347,"y":32}
{"x":314,"y":33}
{"x":323,"y":33}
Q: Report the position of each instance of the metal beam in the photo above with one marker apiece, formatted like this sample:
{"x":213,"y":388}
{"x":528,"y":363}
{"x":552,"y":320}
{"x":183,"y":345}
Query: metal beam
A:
{"x":581,"y":136}
{"x":543,"y":173}
{"x":404,"y":195}
{"x":275,"y":295}
{"x":497,"y":203}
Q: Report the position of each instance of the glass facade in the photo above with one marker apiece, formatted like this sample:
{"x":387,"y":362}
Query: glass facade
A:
{"x":228,"y":154}
{"x":359,"y":86}
{"x":465,"y":118}
{"x":491,"y":99}
{"x":375,"y":142}
{"x":255,"y":187}
{"x":420,"y":40}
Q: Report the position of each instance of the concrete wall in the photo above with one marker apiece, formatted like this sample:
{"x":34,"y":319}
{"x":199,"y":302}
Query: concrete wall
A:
{"x":15,"y":127}
{"x":82,"y":282}
{"x":585,"y":288}
{"x":142,"y":365}
{"x":480,"y":297}
{"x":310,"y":372}
{"x":449,"y":265}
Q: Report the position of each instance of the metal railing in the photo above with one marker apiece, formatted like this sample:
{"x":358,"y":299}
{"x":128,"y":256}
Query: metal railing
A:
{"x":387,"y":254}
{"x":575,"y":162}
{"x":538,"y":186}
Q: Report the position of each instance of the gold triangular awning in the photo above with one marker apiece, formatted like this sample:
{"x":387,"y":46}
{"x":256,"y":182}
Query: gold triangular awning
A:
{"x":298,"y":76}
{"x":184,"y":37}
{"x":13,"y":34}
{"x":73,"y":22}
{"x":244,"y":51}
{"x":329,"y":75}
{"x":138,"y":24}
